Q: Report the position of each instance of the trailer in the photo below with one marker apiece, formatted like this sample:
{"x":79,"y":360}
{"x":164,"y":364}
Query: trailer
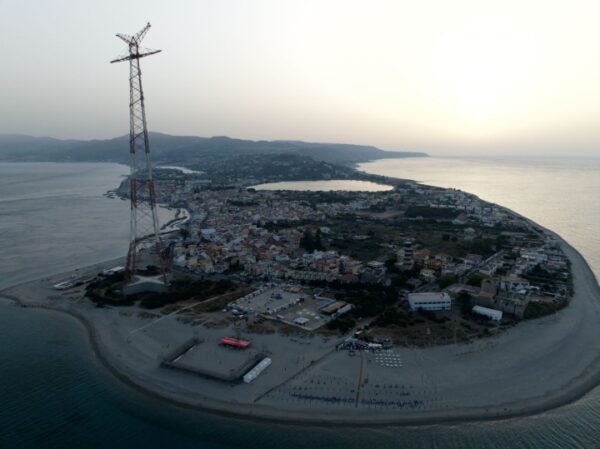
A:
{"x":234,"y":342}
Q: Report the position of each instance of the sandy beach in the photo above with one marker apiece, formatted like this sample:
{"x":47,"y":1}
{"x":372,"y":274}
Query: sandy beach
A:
{"x":535,"y":366}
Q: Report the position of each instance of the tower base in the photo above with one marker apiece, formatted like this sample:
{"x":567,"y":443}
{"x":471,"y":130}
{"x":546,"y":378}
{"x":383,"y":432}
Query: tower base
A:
{"x":145,"y":284}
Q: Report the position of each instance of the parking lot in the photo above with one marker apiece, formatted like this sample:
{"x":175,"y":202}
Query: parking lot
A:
{"x":287,"y":305}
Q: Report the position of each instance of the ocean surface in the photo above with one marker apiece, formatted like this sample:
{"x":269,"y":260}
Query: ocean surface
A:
{"x":54,"y":217}
{"x":54,"y":394}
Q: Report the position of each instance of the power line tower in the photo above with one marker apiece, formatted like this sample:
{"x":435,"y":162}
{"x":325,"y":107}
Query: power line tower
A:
{"x":145,"y":245}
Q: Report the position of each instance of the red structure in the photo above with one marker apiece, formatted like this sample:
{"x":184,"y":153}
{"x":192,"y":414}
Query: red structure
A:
{"x":145,"y":244}
{"x":234,"y":342}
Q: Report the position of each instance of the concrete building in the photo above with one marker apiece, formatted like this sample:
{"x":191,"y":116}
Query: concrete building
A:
{"x":430,"y":301}
{"x":407,"y":259}
{"x":301,"y":321}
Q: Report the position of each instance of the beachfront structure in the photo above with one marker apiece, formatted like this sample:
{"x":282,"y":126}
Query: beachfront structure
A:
{"x":301,"y":321}
{"x":430,"y":301}
{"x":259,"y":368}
{"x":234,"y":343}
{"x":332,"y":308}
{"x":345,"y":309}
{"x":492,"y":314}
{"x":112,"y":271}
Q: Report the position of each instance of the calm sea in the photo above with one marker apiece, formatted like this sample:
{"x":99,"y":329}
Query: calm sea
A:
{"x":54,"y":217}
{"x":53,"y":394}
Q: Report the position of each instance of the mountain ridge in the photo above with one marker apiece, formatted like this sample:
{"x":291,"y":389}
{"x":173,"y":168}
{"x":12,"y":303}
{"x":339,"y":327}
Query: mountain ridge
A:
{"x":168,"y":148}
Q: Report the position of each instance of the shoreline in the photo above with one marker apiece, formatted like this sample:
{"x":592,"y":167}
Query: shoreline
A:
{"x":575,"y":389}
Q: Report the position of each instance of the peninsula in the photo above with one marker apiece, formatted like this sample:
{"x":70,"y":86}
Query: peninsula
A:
{"x":397,"y":303}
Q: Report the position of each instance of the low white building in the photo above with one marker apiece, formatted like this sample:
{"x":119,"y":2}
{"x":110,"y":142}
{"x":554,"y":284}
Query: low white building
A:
{"x":345,"y":309}
{"x":427,"y":274}
{"x":259,"y":368}
{"x":430,"y":301}
{"x":301,"y":321}
{"x":492,"y":314}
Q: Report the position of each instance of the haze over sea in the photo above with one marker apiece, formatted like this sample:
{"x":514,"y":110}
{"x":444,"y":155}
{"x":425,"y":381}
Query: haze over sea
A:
{"x":54,"y":393}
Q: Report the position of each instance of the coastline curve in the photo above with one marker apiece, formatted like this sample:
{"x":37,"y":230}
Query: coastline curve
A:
{"x":579,"y":385}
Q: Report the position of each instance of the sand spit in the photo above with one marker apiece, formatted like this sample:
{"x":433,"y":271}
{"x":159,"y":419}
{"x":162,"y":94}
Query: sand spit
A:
{"x":535,"y":366}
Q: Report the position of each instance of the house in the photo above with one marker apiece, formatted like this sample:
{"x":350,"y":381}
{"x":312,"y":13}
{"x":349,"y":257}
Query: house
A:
{"x":514,"y":284}
{"x":427,"y":275}
{"x":473,"y":260}
{"x":421,"y":255}
{"x":443,"y":258}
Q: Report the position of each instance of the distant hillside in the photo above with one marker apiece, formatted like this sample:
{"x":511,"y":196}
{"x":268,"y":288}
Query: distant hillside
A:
{"x":181,"y":149}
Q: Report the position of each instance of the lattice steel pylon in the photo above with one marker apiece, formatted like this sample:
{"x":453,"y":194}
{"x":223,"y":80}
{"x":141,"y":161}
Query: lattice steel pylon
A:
{"x":145,"y":244}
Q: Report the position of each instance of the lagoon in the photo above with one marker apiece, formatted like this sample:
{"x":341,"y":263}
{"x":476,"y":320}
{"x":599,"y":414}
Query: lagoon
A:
{"x":343,"y":185}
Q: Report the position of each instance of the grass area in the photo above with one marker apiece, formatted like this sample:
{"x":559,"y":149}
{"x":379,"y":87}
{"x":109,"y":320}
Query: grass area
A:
{"x":426,"y":328}
{"x":220,"y":302}
{"x":540,"y":309}
{"x":431,"y":212}
{"x":108,"y":291}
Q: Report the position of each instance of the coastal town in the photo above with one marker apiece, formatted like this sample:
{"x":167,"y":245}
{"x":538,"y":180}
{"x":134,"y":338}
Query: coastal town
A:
{"x":300,"y":298}
{"x":409,"y":264}
{"x":286,"y":224}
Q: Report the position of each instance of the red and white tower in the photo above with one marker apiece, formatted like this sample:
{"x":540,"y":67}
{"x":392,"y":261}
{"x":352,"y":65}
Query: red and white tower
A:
{"x":145,"y":245}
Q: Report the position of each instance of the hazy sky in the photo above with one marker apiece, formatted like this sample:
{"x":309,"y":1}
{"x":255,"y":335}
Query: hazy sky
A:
{"x":447,"y":77}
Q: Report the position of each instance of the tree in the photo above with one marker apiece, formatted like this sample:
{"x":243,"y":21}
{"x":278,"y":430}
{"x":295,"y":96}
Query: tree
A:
{"x":445,"y":281}
{"x":475,"y":280}
{"x":318,"y":242}
{"x":465,"y":303}
{"x":307,"y":241}
{"x":390,"y":264}
{"x":341,"y":324}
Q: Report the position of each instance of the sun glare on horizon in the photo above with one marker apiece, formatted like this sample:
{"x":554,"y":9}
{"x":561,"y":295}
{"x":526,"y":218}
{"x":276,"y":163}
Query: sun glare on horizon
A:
{"x":462,"y":76}
{"x":480,"y":81}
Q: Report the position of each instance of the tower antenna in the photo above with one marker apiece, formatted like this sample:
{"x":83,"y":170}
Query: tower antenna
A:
{"x":145,"y":244}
